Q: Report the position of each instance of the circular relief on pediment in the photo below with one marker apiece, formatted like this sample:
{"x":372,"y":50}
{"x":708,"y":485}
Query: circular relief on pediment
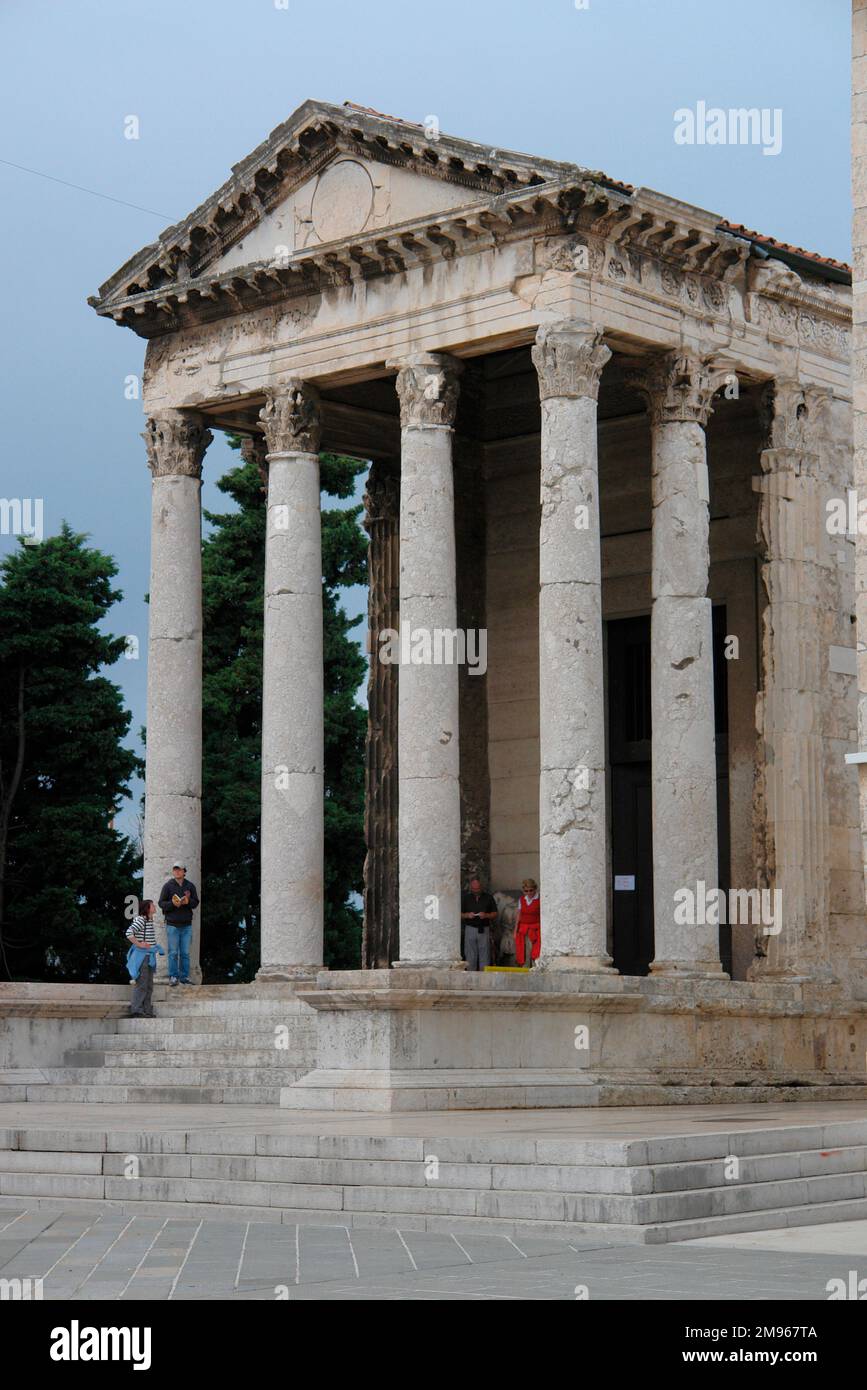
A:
{"x":343,"y":201}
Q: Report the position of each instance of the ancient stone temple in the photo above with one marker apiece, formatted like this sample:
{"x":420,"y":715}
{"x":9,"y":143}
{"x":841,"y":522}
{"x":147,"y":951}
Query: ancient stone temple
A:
{"x":612,"y":610}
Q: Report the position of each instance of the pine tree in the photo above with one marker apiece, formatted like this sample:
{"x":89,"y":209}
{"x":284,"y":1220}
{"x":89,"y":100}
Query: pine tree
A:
{"x":233,"y":568}
{"x":65,"y":873}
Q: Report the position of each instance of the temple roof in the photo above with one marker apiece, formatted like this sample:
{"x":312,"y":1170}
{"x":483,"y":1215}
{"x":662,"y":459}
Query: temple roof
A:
{"x":211,"y":263}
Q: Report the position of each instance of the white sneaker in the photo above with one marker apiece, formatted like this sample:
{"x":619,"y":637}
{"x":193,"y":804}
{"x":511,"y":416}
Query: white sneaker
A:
{"x":173,"y":980}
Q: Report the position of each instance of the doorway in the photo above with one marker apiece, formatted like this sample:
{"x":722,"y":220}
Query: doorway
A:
{"x":629,"y":758}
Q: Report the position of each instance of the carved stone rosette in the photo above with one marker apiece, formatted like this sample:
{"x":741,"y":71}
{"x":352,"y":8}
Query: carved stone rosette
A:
{"x":427,"y":388}
{"x":291,"y":418}
{"x":569,"y":357}
{"x":680,"y":386}
{"x":176,"y":444}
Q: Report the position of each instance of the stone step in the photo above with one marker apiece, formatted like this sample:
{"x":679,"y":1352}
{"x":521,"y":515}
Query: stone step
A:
{"x":582,"y":1180}
{"x":669,"y":1152}
{"x":178,"y":1041}
{"x":188,"y":1074}
{"x":112,"y":1059}
{"x":141,"y":1094}
{"x":185,"y":1003}
{"x":166,"y":1022}
{"x":407,"y":1091}
{"x":610,"y":1233}
{"x":682,"y":1210}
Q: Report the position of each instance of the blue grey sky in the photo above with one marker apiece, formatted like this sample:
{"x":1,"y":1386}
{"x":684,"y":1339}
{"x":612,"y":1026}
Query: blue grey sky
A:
{"x":209,"y":79}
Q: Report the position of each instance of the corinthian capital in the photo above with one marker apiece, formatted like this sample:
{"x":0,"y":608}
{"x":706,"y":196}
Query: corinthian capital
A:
{"x":176,"y":442}
{"x":794,"y":416}
{"x":427,"y":387}
{"x":569,"y":357}
{"x":681,"y":386}
{"x":290,"y":418}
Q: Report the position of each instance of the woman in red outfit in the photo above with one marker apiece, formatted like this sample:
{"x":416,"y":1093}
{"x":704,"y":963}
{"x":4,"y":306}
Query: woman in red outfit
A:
{"x":528,"y":927}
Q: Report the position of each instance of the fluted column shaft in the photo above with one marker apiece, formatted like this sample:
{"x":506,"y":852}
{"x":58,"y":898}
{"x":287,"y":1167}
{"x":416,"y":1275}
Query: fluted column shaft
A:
{"x":569,"y":358}
{"x":679,"y":389}
{"x":176,"y":442}
{"x":429,"y":808}
{"x":292,"y":843}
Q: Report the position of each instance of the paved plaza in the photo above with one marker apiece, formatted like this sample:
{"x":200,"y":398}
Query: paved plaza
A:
{"x":109,"y":1256}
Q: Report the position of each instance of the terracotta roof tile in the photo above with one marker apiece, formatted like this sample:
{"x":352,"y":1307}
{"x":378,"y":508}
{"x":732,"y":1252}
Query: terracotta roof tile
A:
{"x":740,"y":230}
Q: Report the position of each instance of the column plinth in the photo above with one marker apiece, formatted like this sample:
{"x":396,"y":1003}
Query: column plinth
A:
{"x":292,"y":835}
{"x":429,"y":807}
{"x":176,"y":442}
{"x":569,"y":358}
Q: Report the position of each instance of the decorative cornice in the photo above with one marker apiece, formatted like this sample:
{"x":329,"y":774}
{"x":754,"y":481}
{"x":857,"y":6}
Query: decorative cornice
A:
{"x":569,"y":357}
{"x":427,"y":387}
{"x":291,"y":418}
{"x":189,"y":298}
{"x":176,"y":441}
{"x":680,"y":386}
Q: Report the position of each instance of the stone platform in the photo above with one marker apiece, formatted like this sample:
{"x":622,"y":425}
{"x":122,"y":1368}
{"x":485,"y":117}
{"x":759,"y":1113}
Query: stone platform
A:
{"x":392,"y":1040}
{"x":637,"y":1176}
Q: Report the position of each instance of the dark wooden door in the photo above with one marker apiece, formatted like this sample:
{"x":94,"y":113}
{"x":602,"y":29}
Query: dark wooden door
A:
{"x":629,"y":754}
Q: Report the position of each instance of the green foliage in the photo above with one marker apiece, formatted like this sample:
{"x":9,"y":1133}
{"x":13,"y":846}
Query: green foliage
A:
{"x":233,"y":568}
{"x":65,"y":872}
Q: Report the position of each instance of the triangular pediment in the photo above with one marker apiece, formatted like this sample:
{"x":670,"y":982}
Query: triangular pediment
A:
{"x":328,"y":173}
{"x":350,"y":196}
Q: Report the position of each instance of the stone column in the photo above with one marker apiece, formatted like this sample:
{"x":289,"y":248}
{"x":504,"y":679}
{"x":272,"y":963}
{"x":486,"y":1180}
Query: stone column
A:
{"x":429,"y":815}
{"x":380,"y":942}
{"x":859,"y":371}
{"x":176,"y":442}
{"x":679,"y":389}
{"x":471,"y":551}
{"x":292,"y":841}
{"x":569,"y":357}
{"x":792,"y":813}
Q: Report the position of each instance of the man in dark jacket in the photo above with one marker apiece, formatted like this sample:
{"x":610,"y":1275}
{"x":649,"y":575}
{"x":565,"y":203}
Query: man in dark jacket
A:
{"x":478,"y":913}
{"x":178,"y":900}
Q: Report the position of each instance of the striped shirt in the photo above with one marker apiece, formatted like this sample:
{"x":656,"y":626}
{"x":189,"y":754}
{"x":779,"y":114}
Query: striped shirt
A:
{"x":141,"y":932}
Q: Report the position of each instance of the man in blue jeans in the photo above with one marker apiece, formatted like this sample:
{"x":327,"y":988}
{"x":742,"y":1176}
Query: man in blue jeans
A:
{"x":178,"y":901}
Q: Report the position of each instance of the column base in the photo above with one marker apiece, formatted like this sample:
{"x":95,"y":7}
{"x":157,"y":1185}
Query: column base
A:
{"x":589,"y":965}
{"x":290,"y":973}
{"x":689,"y":970}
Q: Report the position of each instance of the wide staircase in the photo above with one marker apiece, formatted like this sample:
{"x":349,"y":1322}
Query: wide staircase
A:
{"x":207,"y":1046}
{"x":644,"y":1191}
